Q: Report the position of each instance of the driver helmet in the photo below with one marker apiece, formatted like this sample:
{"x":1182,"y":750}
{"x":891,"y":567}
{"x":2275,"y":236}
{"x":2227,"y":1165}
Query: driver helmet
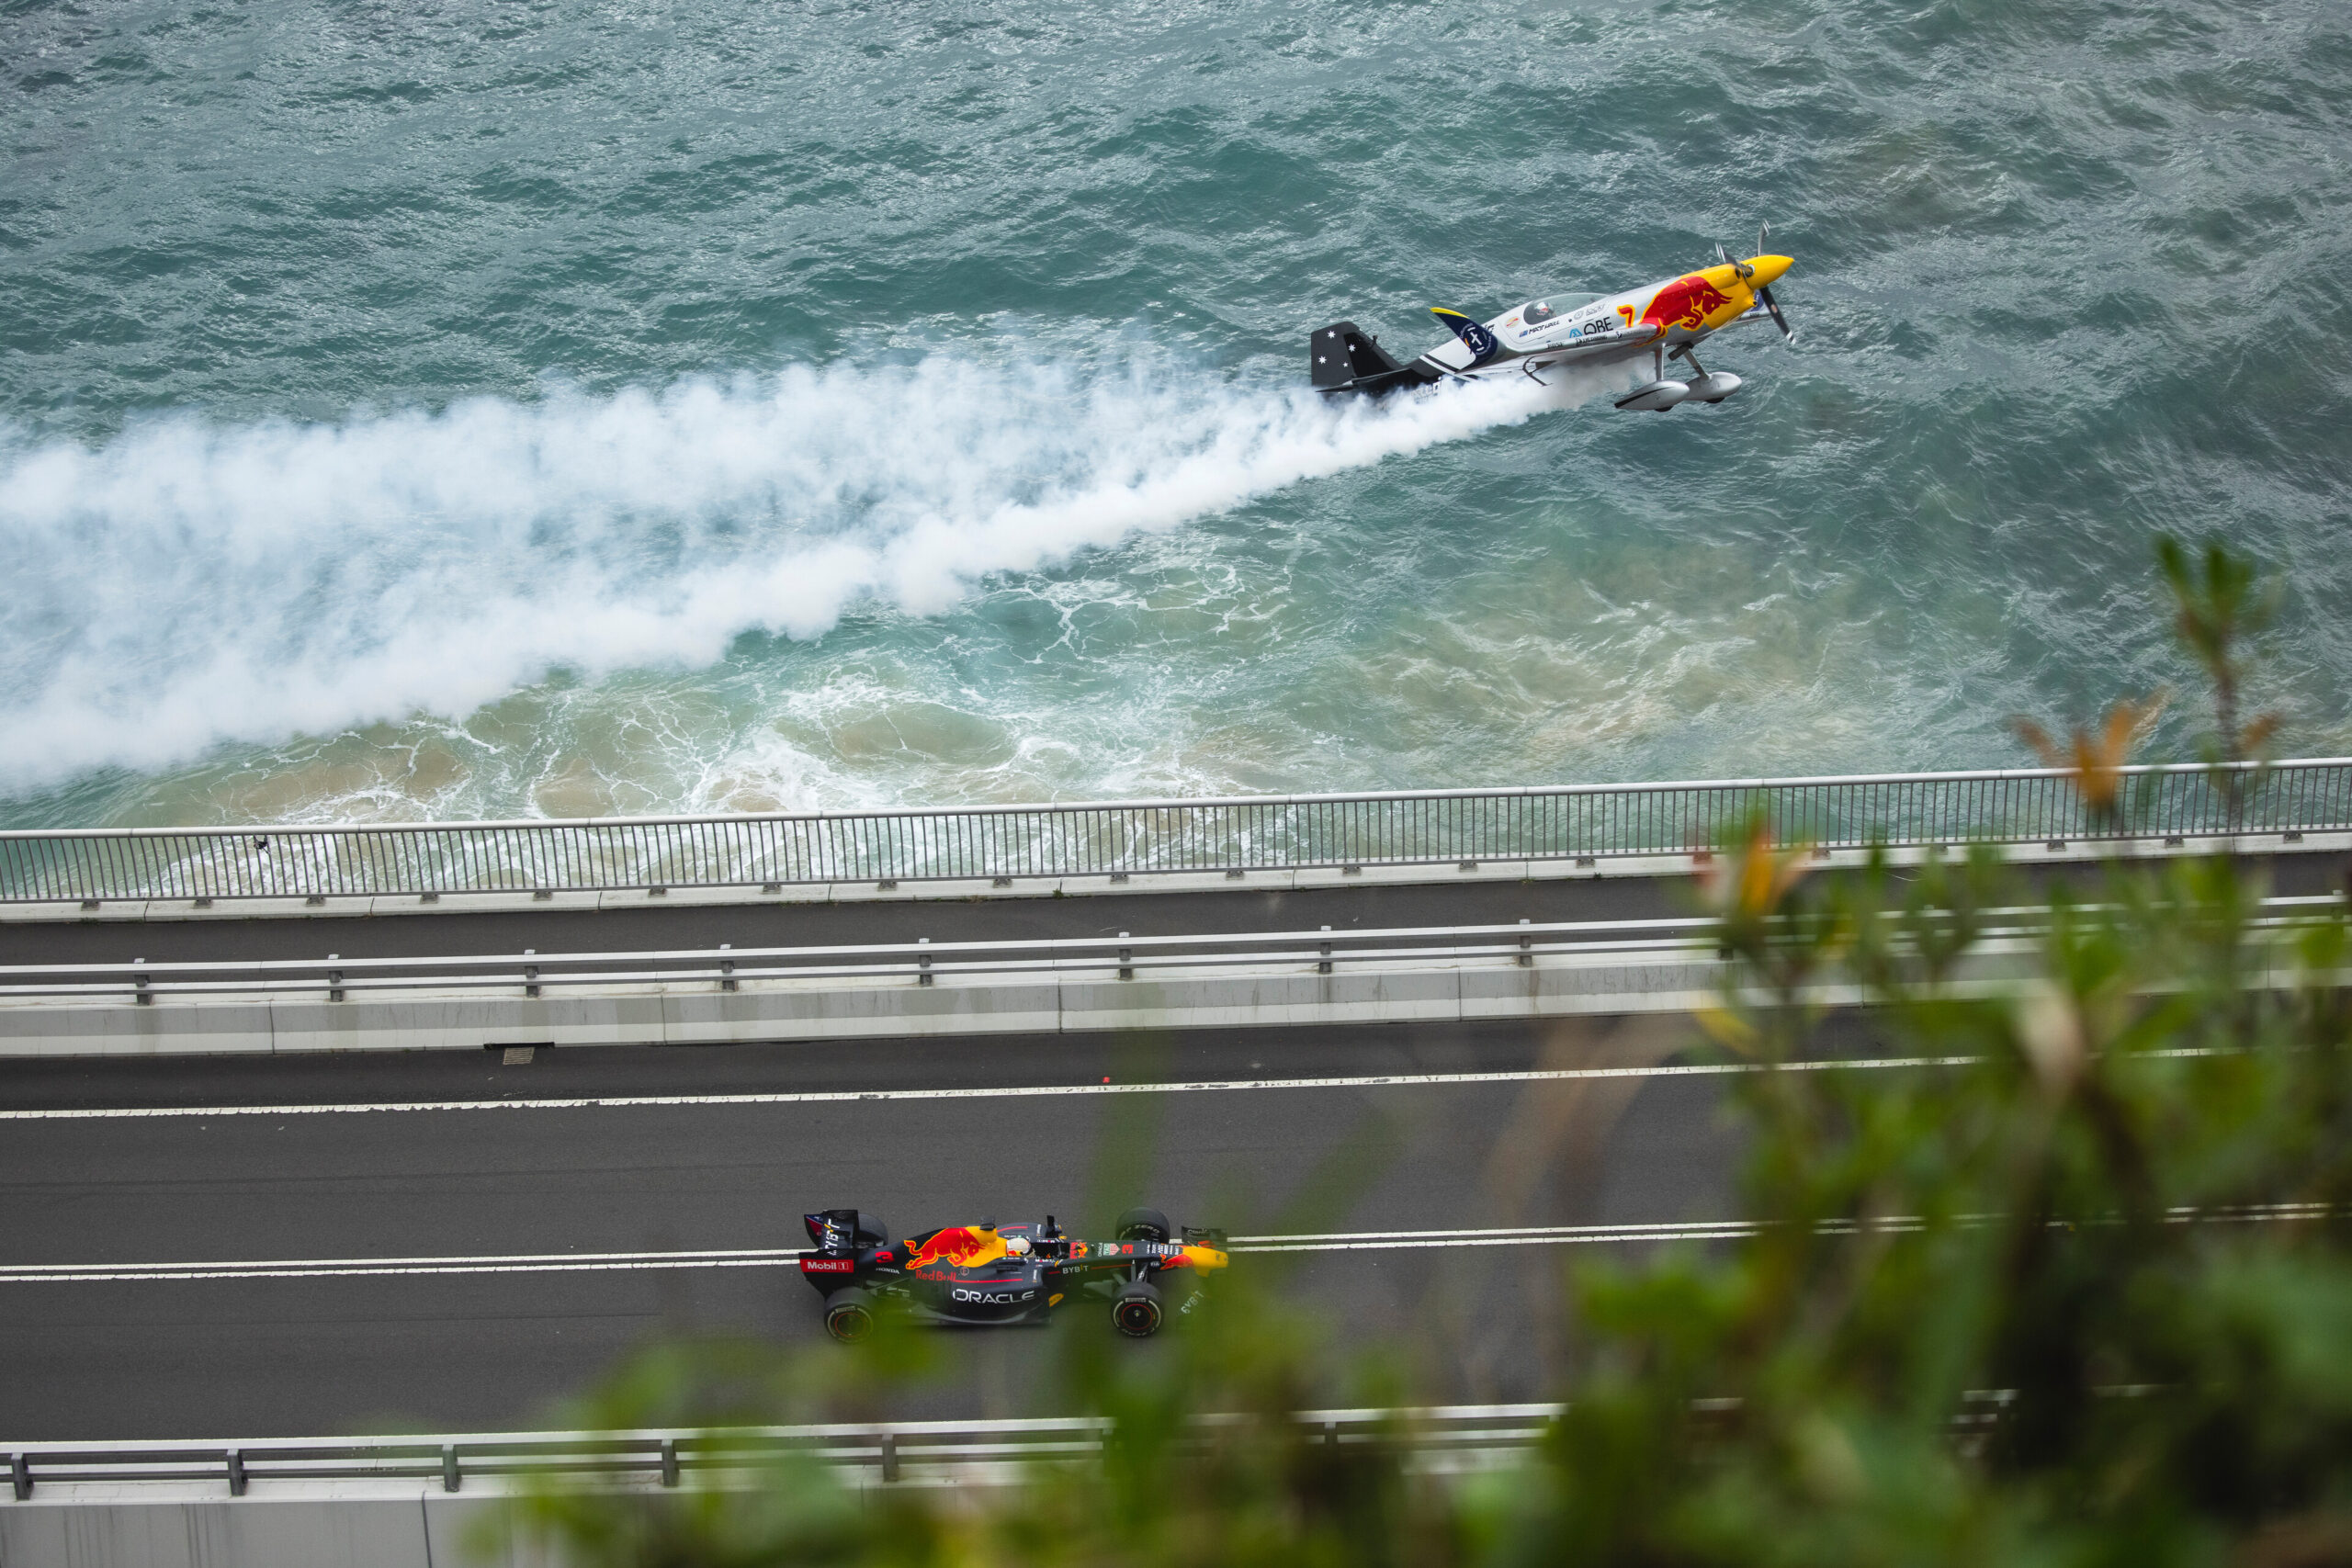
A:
{"x":1017,"y":1245}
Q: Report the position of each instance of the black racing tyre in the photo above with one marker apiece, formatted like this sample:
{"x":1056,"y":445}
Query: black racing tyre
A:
{"x":849,"y":1316}
{"x":1144,"y":1224}
{"x":1135,"y":1311}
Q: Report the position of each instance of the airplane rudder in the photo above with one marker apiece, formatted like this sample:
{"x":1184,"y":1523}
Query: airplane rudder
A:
{"x":1342,"y":354}
{"x":1327,"y":357}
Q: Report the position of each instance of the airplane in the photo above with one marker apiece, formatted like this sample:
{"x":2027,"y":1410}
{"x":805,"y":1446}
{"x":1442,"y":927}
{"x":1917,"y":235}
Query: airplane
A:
{"x":1665,"y":321}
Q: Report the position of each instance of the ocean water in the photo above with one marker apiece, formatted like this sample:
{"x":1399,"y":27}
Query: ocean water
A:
{"x":470,"y":409}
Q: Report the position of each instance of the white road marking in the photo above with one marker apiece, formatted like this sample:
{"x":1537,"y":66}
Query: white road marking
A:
{"x":327,"y":1268}
{"x":843,"y":1097}
{"x":1536,"y":1236}
{"x":785,"y":1257}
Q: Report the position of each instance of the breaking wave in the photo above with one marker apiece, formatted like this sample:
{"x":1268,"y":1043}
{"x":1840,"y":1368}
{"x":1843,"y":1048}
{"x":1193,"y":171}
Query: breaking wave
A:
{"x":190,"y":584}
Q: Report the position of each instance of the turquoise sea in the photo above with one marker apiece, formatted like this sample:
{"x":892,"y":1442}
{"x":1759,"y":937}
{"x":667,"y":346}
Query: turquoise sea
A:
{"x":468,"y":409}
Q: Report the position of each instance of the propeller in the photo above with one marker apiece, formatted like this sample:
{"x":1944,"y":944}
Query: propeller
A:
{"x":1764,"y":294}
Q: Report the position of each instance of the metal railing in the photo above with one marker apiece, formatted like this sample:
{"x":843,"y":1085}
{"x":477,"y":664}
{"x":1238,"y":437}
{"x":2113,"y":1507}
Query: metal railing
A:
{"x":670,"y":1457}
{"x":1119,"y":839}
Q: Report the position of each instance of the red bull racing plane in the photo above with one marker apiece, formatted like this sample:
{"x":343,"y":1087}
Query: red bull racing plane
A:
{"x":989,"y":1274}
{"x":1665,"y":321}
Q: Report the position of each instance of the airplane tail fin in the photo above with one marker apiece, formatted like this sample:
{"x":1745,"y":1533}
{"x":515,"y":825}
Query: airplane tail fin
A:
{"x":1341,"y":355}
{"x":1343,"y":358}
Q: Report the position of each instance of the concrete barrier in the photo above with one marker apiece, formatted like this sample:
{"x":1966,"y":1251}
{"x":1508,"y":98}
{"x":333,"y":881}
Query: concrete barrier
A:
{"x":378,"y":1503}
{"x":358,"y":1525}
{"x":1081,"y":999}
{"x":698,"y":1014}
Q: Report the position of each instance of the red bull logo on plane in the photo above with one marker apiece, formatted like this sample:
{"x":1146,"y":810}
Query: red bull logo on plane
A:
{"x":1686,"y":302}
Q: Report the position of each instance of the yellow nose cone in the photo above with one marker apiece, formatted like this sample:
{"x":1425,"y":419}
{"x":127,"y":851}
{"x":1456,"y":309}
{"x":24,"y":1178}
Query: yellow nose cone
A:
{"x":1767,"y":269}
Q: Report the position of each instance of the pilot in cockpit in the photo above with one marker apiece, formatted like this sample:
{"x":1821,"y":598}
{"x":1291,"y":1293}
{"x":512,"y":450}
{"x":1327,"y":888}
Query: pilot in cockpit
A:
{"x":1537,"y":314}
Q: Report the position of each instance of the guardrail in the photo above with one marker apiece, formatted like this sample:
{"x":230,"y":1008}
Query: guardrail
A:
{"x":1118,"y":839}
{"x":922,"y":961}
{"x":670,"y":1457}
{"x":925,"y":962}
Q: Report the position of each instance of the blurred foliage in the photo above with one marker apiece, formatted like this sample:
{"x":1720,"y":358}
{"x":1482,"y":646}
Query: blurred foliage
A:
{"x":2063,"y":1275}
{"x":2081,"y":1295}
{"x":2220,"y":603}
{"x":2094,"y":757}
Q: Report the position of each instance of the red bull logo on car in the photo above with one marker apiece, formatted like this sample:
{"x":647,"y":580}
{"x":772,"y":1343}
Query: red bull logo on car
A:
{"x":966,"y":1247}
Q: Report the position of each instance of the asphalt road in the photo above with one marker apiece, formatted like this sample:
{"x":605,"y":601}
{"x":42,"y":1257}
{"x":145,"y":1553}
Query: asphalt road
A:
{"x":659,"y":927}
{"x":922,"y":1133}
{"x":486,"y":1178}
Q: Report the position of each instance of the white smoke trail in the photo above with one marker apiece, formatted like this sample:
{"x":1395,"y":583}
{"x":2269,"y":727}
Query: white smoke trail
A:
{"x":187,"y":584}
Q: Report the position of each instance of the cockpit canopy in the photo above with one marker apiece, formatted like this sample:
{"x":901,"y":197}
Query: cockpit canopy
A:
{"x":1538,"y":312}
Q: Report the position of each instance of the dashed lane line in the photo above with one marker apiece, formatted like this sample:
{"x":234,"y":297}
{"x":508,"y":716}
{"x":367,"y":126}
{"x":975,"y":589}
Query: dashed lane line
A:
{"x":784,"y":1257}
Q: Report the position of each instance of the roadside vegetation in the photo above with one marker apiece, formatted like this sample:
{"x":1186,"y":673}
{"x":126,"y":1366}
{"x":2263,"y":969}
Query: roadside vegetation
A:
{"x":2078,"y":1293}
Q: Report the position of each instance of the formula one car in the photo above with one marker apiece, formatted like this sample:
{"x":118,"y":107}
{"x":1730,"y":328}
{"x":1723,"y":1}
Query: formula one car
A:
{"x":991,"y":1274}
{"x":1662,"y":321}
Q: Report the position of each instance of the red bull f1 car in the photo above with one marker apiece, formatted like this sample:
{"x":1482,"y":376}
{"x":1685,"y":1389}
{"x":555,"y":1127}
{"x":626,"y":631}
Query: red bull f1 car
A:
{"x":989,"y":1274}
{"x":1661,"y":322}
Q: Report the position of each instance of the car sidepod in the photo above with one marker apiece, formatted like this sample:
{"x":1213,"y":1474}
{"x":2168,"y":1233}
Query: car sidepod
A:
{"x":1007,"y":1290}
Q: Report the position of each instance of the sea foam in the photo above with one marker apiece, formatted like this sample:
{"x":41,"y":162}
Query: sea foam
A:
{"x":190,"y":582}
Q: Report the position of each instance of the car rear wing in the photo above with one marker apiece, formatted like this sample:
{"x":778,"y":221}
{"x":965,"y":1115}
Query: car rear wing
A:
{"x":841,"y":1233}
